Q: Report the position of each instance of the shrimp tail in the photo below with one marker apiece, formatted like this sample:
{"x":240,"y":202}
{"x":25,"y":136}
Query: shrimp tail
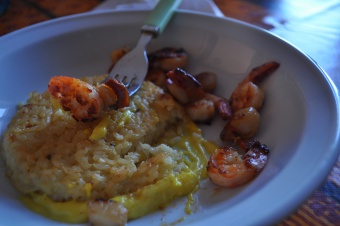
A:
{"x":261,"y":72}
{"x":256,"y":154}
{"x":222,"y":106}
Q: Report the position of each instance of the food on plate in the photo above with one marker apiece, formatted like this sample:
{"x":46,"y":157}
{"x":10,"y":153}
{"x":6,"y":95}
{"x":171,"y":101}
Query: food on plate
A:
{"x":86,"y":151}
{"x":246,"y":101}
{"x":200,"y":105}
{"x":226,"y":167}
{"x":130,"y":154}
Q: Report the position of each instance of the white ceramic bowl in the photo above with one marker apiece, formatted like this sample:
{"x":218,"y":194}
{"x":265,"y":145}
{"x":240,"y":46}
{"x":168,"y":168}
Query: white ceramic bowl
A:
{"x":300,"y":118}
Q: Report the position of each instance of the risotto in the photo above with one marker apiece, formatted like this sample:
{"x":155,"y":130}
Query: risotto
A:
{"x":123,"y":151}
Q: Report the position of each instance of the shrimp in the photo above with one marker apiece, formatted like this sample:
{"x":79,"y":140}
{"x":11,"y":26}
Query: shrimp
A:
{"x":157,"y":77}
{"x":204,"y":109}
{"x":117,"y":55}
{"x":201,"y":111}
{"x":208,"y":80}
{"x":86,"y":102}
{"x":229,"y":169}
{"x":184,"y":87}
{"x":107,"y":212}
{"x":167,"y":59}
{"x":221,"y":104}
{"x":247,"y":93}
{"x":199,"y":104}
{"x":79,"y":97}
{"x":242,"y":124}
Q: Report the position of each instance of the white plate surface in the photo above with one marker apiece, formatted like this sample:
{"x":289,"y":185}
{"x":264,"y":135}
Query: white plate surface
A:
{"x":300,"y":118}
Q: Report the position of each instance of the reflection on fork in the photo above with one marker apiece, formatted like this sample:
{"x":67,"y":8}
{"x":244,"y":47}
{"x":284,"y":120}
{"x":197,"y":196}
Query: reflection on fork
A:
{"x":127,"y":81}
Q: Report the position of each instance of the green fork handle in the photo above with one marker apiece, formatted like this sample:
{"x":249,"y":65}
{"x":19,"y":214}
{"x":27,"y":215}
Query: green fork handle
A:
{"x":161,"y":15}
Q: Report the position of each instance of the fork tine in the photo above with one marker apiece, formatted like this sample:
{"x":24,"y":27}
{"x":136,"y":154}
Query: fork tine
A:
{"x":131,"y":81}
{"x":119,"y":77}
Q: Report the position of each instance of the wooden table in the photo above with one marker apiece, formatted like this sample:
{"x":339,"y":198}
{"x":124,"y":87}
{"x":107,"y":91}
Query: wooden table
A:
{"x":311,"y":25}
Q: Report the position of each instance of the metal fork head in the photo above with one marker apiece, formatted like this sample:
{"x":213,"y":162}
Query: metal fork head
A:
{"x":132,"y":83}
{"x":126,"y":80}
{"x":132,"y":68}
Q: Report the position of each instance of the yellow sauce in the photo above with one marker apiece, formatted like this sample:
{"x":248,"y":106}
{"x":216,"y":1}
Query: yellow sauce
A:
{"x":158,"y":195}
{"x":147,"y":199}
{"x":68,"y":212}
{"x":190,"y":202}
{"x":126,"y":116}
{"x":100,"y":130}
{"x":88,"y":189}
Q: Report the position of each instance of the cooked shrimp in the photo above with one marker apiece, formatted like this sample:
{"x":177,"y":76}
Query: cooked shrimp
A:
{"x":208,"y":80}
{"x":201,"y":111}
{"x":118,"y":54}
{"x":247,"y":93}
{"x":79,"y":97}
{"x":86,"y":102}
{"x":261,"y":72}
{"x":107,"y":212}
{"x":221,"y":104}
{"x":204,"y":109}
{"x":156,"y":76}
{"x":168,"y":59}
{"x":229,"y":169}
{"x":243,"y":124}
{"x":123,"y":98}
{"x":184,"y":87}
{"x":107,"y":94}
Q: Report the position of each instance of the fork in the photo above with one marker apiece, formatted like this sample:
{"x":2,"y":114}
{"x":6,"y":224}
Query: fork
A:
{"x":132,"y":68}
